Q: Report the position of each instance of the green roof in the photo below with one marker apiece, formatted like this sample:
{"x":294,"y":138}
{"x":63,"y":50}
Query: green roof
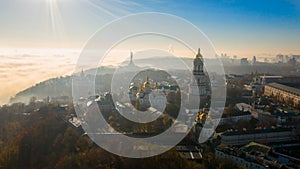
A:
{"x":255,"y":147}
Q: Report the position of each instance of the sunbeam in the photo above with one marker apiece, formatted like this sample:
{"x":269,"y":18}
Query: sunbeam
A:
{"x":113,"y":8}
{"x":56,"y":21}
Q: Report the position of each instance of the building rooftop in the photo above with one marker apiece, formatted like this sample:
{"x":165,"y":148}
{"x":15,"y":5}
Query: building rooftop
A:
{"x":286,"y":88}
{"x":269,"y":77}
{"x":75,"y":121}
{"x":255,"y":147}
{"x":243,"y":107}
{"x":283,"y":111}
{"x":232,"y":133}
{"x":189,"y":152}
{"x":252,"y":152}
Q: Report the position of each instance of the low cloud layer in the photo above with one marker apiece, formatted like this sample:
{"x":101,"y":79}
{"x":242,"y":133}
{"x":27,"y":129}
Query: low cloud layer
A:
{"x":20,"y":69}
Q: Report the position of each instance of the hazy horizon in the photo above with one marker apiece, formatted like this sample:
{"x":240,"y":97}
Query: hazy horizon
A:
{"x":23,"y":68}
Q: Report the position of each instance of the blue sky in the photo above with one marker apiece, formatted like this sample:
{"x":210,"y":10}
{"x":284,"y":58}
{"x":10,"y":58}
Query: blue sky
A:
{"x":236,"y":27}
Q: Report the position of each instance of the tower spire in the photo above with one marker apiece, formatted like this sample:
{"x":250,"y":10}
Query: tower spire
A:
{"x":131,"y":59}
{"x":199,"y":56}
{"x":82,"y":73}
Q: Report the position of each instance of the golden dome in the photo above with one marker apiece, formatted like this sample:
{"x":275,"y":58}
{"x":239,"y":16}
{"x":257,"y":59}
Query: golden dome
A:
{"x":147,"y":84}
{"x":199,"y":56}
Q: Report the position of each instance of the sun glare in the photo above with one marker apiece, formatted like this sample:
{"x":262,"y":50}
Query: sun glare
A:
{"x":55,"y":19}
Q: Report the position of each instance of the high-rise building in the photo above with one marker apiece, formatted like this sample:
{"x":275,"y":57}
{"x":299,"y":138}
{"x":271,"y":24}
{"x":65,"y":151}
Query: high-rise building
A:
{"x":279,"y":58}
{"x":244,"y":61}
{"x":254,"y":60}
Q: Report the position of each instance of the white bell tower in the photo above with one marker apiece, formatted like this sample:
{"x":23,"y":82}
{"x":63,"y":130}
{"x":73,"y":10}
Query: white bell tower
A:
{"x":199,"y":82}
